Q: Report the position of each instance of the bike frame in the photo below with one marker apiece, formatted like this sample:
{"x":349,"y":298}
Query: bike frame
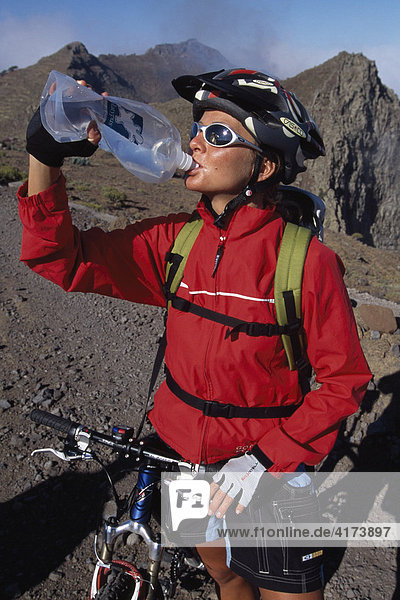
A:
{"x":151,"y":459}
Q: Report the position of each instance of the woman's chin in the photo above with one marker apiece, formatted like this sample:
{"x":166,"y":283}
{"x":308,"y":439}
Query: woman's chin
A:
{"x":192,"y":183}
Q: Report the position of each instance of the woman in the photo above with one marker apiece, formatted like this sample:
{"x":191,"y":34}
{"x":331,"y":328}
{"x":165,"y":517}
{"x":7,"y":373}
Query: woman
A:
{"x":249,"y":134}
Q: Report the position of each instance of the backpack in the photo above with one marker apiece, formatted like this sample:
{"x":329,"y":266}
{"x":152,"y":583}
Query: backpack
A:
{"x":297,"y":204}
{"x":308,"y":211}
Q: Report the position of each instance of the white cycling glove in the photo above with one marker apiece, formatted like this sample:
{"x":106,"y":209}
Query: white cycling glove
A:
{"x":241,"y":474}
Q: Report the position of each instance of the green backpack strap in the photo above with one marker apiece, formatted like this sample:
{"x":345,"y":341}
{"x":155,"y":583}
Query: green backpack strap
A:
{"x":176,"y":258}
{"x":287,"y":290}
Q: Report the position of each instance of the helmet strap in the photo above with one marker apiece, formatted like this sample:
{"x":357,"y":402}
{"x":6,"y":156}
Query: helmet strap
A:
{"x":251,"y":187}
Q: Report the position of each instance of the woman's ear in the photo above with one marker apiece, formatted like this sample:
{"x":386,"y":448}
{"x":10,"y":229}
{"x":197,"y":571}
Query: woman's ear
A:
{"x":267,"y":169}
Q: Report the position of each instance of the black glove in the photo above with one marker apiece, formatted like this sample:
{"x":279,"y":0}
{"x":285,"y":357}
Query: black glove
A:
{"x":47,"y":150}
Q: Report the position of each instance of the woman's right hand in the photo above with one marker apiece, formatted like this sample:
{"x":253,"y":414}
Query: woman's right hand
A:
{"x":41,"y":145}
{"x":47,"y":155}
{"x":48,"y":151}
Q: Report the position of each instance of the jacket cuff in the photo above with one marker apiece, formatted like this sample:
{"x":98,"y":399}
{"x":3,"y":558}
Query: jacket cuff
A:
{"x":54,"y":198}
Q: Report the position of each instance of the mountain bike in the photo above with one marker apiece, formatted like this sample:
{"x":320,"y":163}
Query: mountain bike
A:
{"x":120,"y":579}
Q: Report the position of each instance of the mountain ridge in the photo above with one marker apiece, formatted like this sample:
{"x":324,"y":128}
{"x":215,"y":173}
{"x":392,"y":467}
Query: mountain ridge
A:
{"x":358,"y":115}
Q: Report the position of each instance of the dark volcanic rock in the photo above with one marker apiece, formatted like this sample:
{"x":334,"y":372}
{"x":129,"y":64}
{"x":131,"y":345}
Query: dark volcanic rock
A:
{"x":359,"y":119}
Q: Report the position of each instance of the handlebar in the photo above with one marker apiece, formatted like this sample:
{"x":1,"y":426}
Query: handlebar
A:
{"x":121,"y":441}
{"x":42,"y":417}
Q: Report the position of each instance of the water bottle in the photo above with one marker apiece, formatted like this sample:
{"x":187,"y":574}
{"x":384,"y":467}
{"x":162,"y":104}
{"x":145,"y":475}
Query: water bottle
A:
{"x":138,"y":135}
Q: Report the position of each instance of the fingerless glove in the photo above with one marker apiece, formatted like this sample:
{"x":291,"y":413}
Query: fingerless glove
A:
{"x":241,"y":474}
{"x":47,"y":150}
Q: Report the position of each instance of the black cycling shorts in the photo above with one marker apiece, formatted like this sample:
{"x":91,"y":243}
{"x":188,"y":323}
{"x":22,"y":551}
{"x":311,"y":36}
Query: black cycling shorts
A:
{"x":283,"y":568}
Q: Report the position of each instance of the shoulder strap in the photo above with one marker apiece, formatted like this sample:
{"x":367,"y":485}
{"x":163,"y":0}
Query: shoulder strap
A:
{"x":287,"y":289}
{"x":176,"y":258}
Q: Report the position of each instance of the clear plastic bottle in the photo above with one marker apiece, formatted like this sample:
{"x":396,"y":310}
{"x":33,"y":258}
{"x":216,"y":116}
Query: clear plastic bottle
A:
{"x":138,"y":135}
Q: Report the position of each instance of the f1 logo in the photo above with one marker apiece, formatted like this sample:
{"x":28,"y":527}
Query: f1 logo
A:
{"x":188,"y":500}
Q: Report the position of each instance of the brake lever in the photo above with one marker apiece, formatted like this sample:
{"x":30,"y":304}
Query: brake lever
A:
{"x":77,"y":450}
{"x":189,"y":470}
{"x":61,"y":455}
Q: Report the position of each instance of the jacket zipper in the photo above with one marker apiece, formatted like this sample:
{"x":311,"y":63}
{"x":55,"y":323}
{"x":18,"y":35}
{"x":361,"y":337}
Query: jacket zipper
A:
{"x":219,"y":254}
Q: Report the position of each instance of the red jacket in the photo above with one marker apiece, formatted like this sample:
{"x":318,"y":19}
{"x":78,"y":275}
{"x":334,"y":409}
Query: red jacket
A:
{"x":239,"y":370}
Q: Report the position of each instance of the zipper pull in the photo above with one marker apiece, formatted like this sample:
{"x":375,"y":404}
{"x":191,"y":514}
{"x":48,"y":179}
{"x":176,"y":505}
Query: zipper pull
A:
{"x":220,"y":251}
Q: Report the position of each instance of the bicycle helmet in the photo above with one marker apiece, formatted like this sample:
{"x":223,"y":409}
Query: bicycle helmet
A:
{"x":272,"y":115}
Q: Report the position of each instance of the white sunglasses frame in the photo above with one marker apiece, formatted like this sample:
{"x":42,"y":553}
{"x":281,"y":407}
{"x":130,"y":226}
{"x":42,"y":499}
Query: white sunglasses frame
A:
{"x":236,"y":138}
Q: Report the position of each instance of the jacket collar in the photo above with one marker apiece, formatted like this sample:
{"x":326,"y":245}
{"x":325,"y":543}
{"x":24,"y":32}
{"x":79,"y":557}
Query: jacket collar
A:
{"x":244,"y":220}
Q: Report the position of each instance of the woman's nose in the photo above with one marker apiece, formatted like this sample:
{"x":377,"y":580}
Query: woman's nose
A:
{"x":197,"y":142}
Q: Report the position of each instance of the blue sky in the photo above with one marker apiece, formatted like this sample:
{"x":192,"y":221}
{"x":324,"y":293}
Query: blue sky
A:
{"x":281,"y":38}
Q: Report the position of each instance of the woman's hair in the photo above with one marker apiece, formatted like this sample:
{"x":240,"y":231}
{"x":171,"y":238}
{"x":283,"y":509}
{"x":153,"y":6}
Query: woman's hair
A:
{"x":271,"y":185}
{"x":292,"y":207}
{"x":286,"y":204}
{"x":277,"y":158}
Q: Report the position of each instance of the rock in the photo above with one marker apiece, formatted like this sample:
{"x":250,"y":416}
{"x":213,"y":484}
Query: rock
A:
{"x":378,"y":318}
{"x":56,"y":576}
{"x":4,"y":404}
{"x":375,"y":335}
{"x":16,"y":441}
{"x":395,"y":349}
{"x":362,"y":282}
{"x":14,"y":185}
{"x":51,"y":468}
{"x":45,"y":397}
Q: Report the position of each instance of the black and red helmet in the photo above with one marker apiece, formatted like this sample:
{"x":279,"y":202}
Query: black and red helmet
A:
{"x":274,"y":116}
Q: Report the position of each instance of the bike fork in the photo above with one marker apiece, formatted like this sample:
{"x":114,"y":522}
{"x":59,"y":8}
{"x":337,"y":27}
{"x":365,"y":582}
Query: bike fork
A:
{"x":111,"y":534}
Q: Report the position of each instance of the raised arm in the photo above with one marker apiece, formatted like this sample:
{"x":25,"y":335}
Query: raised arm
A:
{"x":126,"y":263}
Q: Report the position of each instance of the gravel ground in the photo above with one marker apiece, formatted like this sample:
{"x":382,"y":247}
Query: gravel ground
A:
{"x":89,"y":358}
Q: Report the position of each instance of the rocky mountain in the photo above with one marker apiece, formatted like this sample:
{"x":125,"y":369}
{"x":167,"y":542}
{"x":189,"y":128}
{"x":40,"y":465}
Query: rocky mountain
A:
{"x":161,"y":64}
{"x":359,"y":119}
{"x":358,"y":116}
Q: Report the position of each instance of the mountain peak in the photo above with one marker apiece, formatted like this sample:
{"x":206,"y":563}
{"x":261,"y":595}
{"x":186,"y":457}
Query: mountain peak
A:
{"x":201,"y":56}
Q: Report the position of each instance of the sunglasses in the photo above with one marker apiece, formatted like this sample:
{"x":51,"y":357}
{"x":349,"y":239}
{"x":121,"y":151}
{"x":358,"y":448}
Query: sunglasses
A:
{"x":220,"y":136}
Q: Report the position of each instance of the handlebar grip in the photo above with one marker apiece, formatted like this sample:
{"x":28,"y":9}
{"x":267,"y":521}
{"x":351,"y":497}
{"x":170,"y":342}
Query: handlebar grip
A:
{"x":45,"y":418}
